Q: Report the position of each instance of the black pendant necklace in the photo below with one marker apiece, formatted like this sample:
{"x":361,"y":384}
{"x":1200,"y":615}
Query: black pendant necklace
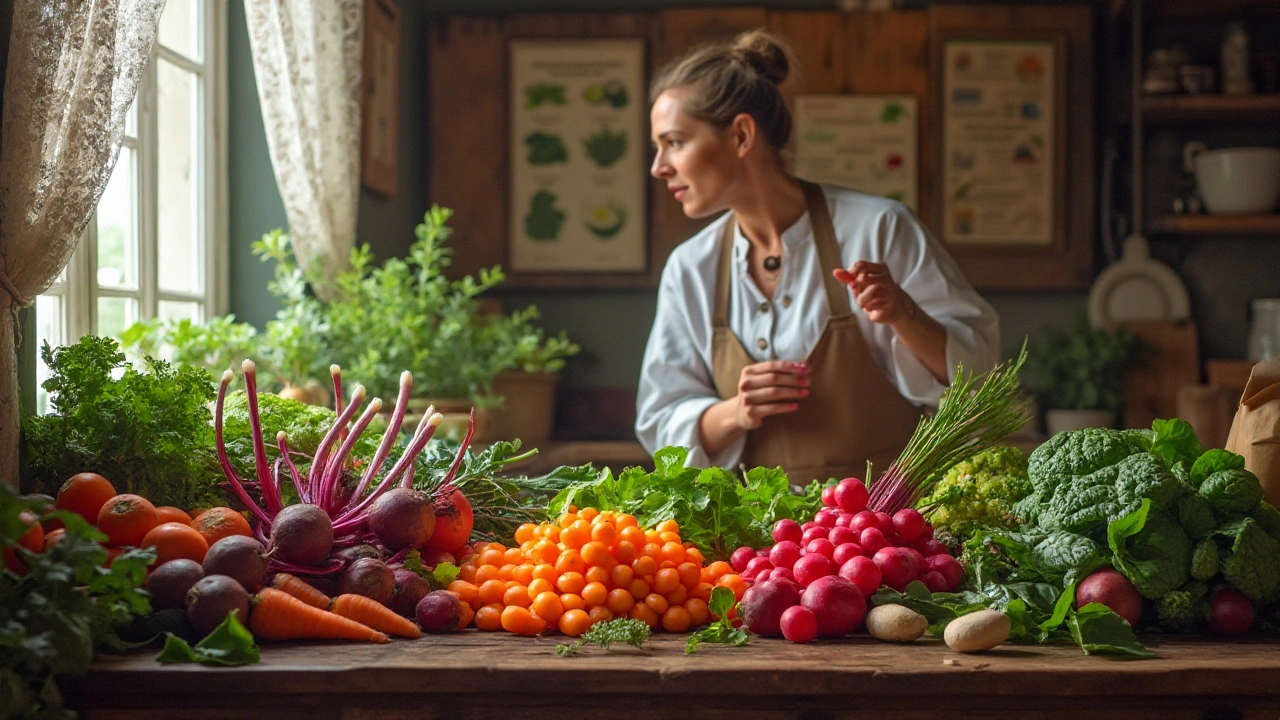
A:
{"x":772,"y":263}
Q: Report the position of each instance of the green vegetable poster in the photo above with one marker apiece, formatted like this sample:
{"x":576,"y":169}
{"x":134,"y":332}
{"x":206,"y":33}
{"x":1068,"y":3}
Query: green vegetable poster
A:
{"x":578,"y":171}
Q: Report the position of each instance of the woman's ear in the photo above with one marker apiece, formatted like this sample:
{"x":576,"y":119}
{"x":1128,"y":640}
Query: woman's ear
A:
{"x":744,"y":132}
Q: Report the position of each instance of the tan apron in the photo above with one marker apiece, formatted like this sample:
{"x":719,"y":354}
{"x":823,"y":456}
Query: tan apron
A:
{"x":852,"y":413}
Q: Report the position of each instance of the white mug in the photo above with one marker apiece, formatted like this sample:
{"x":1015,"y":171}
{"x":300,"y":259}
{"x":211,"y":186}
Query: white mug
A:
{"x":1235,"y":181}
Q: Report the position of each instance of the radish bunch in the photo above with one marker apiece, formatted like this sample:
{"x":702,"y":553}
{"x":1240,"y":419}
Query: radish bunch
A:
{"x":843,"y":540}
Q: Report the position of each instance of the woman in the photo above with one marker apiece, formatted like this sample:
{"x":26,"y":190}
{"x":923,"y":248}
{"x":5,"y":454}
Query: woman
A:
{"x":809,"y":326}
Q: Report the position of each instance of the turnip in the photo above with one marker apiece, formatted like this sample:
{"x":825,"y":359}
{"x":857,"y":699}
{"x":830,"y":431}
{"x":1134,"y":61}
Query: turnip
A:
{"x":826,"y":517}
{"x":909,"y":523}
{"x":787,"y":529}
{"x":837,"y":603}
{"x":740,"y":557}
{"x":369,"y":577}
{"x":763,"y":604}
{"x":785,"y":554}
{"x":302,"y":535}
{"x":402,"y":518}
{"x":821,"y":546}
{"x":898,"y":566}
{"x":863,"y":520}
{"x":799,"y":624}
{"x":846,"y":552}
{"x":169,"y":583}
{"x":755,"y":567}
{"x":811,"y":568}
{"x":1109,"y":587}
{"x":949,"y":568}
{"x":1230,"y":613}
{"x":841,"y":535}
{"x":829,"y":496}
{"x":863,"y":572}
{"x":851,"y":495}
{"x":212,"y":598}
{"x":410,"y":588}
{"x":238,"y":557}
{"x":438,"y":612}
{"x":872,"y":540}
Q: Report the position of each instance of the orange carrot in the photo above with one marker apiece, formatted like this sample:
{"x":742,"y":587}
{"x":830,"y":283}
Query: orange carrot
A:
{"x":300,"y":589}
{"x":368,"y":611}
{"x":277,"y":615}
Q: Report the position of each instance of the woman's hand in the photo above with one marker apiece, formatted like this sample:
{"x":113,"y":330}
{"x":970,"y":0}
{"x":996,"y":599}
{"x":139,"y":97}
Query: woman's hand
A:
{"x":877,"y":294}
{"x":769,"y":388}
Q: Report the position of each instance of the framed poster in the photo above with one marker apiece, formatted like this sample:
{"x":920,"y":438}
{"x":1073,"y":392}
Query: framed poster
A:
{"x":1000,"y":142}
{"x":577,"y":156}
{"x":865,"y":142}
{"x":380,"y":122}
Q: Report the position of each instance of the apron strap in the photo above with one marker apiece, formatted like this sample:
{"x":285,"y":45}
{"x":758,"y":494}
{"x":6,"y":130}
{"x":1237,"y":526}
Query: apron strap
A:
{"x":720,"y":316}
{"x":824,"y":233}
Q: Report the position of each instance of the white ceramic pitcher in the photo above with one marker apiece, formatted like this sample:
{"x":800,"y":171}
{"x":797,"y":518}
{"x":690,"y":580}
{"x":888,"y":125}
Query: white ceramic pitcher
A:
{"x":1235,"y":181}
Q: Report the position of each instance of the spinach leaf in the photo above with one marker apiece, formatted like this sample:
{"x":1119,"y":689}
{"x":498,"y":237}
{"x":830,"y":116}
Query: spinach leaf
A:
{"x":1212,"y":461}
{"x":1097,"y":630}
{"x":229,"y":644}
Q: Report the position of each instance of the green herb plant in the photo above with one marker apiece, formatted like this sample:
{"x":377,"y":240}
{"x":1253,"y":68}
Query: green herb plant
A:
{"x":619,"y":630}
{"x":545,"y":149}
{"x":1084,"y":368}
{"x":544,"y":219}
{"x":437,"y":578}
{"x":605,"y":146}
{"x":722,"y":630}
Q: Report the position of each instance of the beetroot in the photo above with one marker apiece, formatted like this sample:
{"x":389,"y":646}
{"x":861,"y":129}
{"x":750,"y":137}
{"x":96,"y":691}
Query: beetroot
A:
{"x":302,"y":535}
{"x":812,"y":567}
{"x":369,"y":577}
{"x":212,"y":598}
{"x":403,"y":517}
{"x":837,"y":603}
{"x":764,"y":603}
{"x":898,"y":566}
{"x":356,"y":552}
{"x":169,"y":583}
{"x":799,"y":624}
{"x":409,"y":589}
{"x":1114,"y":590}
{"x":238,"y":557}
{"x":438,"y":611}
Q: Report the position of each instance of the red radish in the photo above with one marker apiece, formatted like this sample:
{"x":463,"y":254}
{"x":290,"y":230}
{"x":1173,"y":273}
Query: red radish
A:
{"x":1109,"y":587}
{"x":821,"y":546}
{"x":909,"y":524}
{"x":812,"y":567}
{"x":884,"y":521}
{"x":841,"y":535}
{"x":784,"y":554}
{"x":787,"y":529}
{"x":1230,"y":613}
{"x":402,"y":518}
{"x":837,"y":603}
{"x":813,"y":533}
{"x":740,"y":557}
{"x":763,"y":605}
{"x":949,"y":568}
{"x":863,"y":572}
{"x":755,"y":567}
{"x":872,"y":540}
{"x":454,"y":517}
{"x":799,"y":624}
{"x":851,"y":495}
{"x":898,"y":566}
{"x":783,"y":574}
{"x":927,"y":533}
{"x":932,"y":547}
{"x":844,"y":519}
{"x":826,"y":517}
{"x":846,"y":552}
{"x":934,"y":581}
{"x":764,"y":551}
{"x":863,"y":520}
{"x":829,"y":496}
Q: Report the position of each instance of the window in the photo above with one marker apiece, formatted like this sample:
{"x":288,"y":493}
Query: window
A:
{"x":156,"y":246}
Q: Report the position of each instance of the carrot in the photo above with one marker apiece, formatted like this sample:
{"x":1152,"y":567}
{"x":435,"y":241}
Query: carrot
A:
{"x":277,"y":615}
{"x":300,"y":589}
{"x":368,"y":611}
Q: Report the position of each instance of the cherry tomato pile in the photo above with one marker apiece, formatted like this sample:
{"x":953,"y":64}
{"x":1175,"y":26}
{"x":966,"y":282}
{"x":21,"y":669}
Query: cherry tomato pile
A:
{"x":591,"y":566}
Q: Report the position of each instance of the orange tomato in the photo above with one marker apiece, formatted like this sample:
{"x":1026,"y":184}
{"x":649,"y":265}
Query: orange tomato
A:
{"x":677,"y":596}
{"x":673,"y":552}
{"x":571,"y":582}
{"x":490,"y":557}
{"x":625,"y":553}
{"x":523,"y":574}
{"x":572,"y":601}
{"x":466,"y":591}
{"x":513,"y":556}
{"x":492,"y":591}
{"x":465,"y":616}
{"x":127,"y":518}
{"x":689,"y":574}
{"x":544,"y":552}
{"x":545,"y":572}
{"x":507,"y":572}
{"x":217,"y":523}
{"x":702,"y":591}
{"x":467,"y":572}
{"x":85,"y":494}
{"x":698,"y":612}
{"x":599,"y":613}
{"x":718,"y":568}
{"x":670,"y":526}
{"x":644,"y":566}
{"x":619,"y":601}
{"x":639,"y":588}
{"x":574,"y":537}
{"x":570,"y":561}
{"x":489,"y":617}
{"x":574,"y":622}
{"x":597,"y":554}
{"x":520,"y":621}
{"x":169,"y":513}
{"x":665,"y":581}
{"x":645,"y":614}
{"x":517,"y":595}
{"x":621,"y":575}
{"x":657,"y":603}
{"x":175,"y":540}
{"x":599,"y":574}
{"x":547,"y":605}
{"x":632,"y":534}
{"x":604,"y":533}
{"x":624,"y":521}
{"x":485,"y":573}
{"x":524,"y":533}
{"x":670,"y":537}
{"x":594,"y":594}
{"x":676,"y":619}
{"x":735,"y":583}
{"x":539,"y":586}
{"x":588,"y":514}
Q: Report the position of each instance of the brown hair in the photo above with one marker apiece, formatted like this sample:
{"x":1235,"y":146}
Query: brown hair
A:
{"x":726,"y":79}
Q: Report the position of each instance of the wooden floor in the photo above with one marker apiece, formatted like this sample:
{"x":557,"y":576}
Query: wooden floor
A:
{"x":496,"y":675}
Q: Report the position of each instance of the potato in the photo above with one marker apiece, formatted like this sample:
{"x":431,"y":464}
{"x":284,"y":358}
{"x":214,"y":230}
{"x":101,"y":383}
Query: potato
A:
{"x":977,"y":631}
{"x":896,"y":623}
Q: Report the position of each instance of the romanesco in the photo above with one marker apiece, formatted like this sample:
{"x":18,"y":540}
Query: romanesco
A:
{"x":980,"y":491}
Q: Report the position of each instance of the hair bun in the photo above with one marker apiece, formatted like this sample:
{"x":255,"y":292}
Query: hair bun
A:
{"x":765,"y":53}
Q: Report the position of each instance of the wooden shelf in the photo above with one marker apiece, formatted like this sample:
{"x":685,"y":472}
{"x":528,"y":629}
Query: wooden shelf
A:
{"x":1217,"y":225}
{"x":1200,"y":9}
{"x":1193,"y":108}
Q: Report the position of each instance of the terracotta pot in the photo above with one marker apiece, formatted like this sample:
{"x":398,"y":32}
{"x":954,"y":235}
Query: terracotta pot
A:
{"x":528,"y":409}
{"x":1057,"y":421}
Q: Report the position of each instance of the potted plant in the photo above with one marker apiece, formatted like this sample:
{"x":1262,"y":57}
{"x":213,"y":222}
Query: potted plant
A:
{"x":1080,"y":374}
{"x":528,"y":387}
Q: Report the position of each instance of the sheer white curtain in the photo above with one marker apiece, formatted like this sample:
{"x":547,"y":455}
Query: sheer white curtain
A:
{"x":73,"y":70}
{"x":307,"y":61}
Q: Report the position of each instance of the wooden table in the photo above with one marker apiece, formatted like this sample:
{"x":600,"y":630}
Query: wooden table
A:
{"x":495,"y":675}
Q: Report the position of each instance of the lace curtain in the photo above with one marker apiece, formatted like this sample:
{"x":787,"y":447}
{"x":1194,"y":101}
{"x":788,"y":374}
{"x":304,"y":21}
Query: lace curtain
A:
{"x":307,"y":60}
{"x":73,"y":70}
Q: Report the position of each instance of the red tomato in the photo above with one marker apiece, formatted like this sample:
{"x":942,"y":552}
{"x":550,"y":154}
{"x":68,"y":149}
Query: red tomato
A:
{"x":32,"y":539}
{"x":454,"y":520}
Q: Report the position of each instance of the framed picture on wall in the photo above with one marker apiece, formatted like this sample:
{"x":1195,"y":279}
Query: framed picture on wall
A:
{"x":379,"y":145}
{"x":577,"y":156}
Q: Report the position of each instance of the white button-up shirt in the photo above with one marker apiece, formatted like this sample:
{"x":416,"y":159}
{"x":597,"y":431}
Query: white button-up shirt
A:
{"x":676,"y":384}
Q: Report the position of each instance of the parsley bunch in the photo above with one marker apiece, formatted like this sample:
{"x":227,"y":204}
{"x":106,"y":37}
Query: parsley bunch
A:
{"x":619,"y":630}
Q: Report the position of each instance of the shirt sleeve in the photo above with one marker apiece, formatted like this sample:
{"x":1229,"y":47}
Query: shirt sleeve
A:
{"x":675,"y":386}
{"x":928,"y":273}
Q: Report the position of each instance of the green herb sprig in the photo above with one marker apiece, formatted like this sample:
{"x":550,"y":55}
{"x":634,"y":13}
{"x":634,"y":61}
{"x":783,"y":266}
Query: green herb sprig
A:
{"x":229,"y":644}
{"x":722,"y":630}
{"x":619,"y":630}
{"x":438,"y":578}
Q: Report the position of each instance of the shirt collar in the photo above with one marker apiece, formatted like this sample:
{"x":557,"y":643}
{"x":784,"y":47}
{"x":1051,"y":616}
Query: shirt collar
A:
{"x":793,"y":237}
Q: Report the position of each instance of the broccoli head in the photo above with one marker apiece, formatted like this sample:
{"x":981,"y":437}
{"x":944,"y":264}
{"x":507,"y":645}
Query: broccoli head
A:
{"x":1182,"y":610}
{"x":980,"y":491}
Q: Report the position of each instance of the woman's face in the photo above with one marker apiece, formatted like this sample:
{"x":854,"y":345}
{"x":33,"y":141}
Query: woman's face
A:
{"x":697,"y":162}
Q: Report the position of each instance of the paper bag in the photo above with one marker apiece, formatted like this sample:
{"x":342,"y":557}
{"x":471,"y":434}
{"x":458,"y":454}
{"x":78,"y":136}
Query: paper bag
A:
{"x":1255,"y":431}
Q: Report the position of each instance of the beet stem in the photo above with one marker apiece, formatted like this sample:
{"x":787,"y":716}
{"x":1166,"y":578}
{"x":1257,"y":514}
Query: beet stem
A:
{"x":355,"y":516}
{"x":335,"y":373}
{"x":282,"y":441}
{"x":237,"y":485}
{"x":333,"y":481}
{"x":316,"y":474}
{"x":388,"y":439}
{"x":462,"y":450}
{"x":270,"y":494}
